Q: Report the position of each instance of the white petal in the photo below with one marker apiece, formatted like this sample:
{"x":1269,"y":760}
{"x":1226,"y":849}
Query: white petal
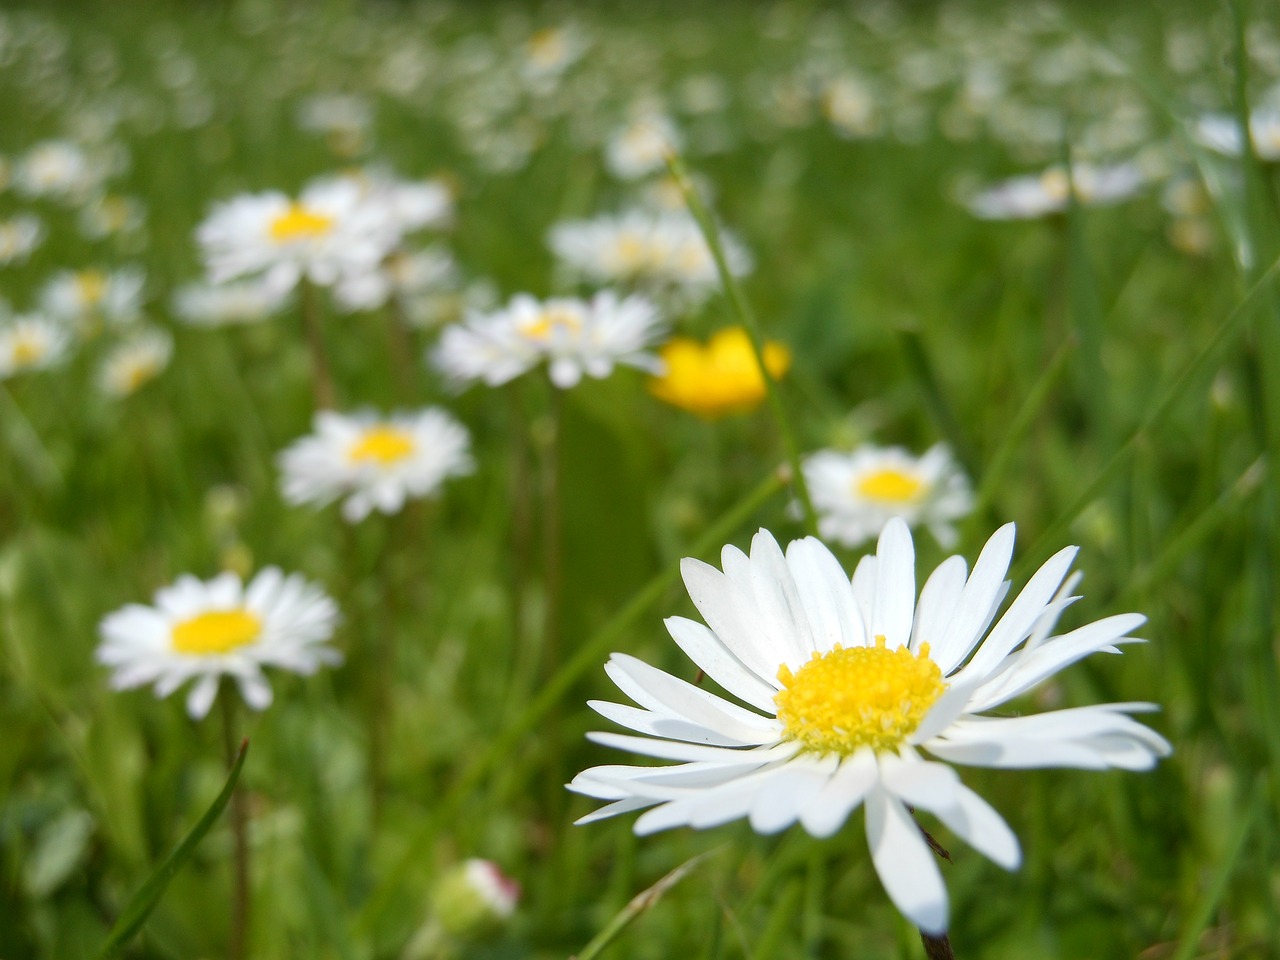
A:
{"x":978,"y":824}
{"x":669,"y":750}
{"x":782,"y":616}
{"x":704,"y":648}
{"x":727,"y":609}
{"x":780,"y":801}
{"x":200,"y":697}
{"x":615,"y":808}
{"x":255,"y":690}
{"x":938,"y":599}
{"x":977,"y":601}
{"x":895,"y":597}
{"x":905,"y":863}
{"x":826,"y":594}
{"x":826,"y":812}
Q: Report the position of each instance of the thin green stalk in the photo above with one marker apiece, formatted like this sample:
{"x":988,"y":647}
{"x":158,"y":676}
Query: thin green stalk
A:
{"x":239,"y":930}
{"x":587,"y":657}
{"x":552,"y":535}
{"x":922,"y":368}
{"x":1166,"y":401}
{"x":313,"y":327}
{"x":746,"y":316}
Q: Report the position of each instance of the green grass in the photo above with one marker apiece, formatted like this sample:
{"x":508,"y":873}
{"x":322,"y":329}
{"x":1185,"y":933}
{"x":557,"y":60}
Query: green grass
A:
{"x":910,"y":322}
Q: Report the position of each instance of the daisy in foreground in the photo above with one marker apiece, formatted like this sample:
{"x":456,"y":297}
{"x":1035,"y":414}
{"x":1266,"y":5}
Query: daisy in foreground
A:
{"x":376,"y":462}
{"x":204,"y":630}
{"x":852,"y":683}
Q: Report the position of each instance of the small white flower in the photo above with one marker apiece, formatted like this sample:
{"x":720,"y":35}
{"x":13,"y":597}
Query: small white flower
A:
{"x":134,"y":362}
{"x":642,"y":146}
{"x":405,"y":206}
{"x":855,"y":494}
{"x":1220,"y":132}
{"x":407,"y":276}
{"x":375,"y":462}
{"x":205,"y":630}
{"x":19,"y":236}
{"x":574,"y":337}
{"x":238,"y":303}
{"x":851,"y":684}
{"x":329,"y":231}
{"x":662,"y":252}
{"x":30,"y":342}
{"x":83,"y":298}
{"x":551,"y":51}
{"x":109,"y":215}
{"x":1028,"y":197}
{"x":58,"y":169}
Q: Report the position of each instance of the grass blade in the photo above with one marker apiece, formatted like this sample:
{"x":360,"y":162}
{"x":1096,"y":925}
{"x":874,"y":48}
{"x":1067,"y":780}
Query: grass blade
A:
{"x":144,"y":901}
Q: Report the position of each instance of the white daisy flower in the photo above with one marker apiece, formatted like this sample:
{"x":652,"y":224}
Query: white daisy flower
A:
{"x":375,"y":462}
{"x":659,"y":251}
{"x":327,"y":232}
{"x":134,"y":362}
{"x":855,"y":494}
{"x":851,"y":684}
{"x":238,"y":303}
{"x":1028,"y":197}
{"x":203,"y":630}
{"x":344,"y":119}
{"x":551,"y":51}
{"x":406,"y":205}
{"x":112,"y":214}
{"x":1220,"y":132}
{"x":404,"y":275}
{"x":30,"y":342}
{"x":57,"y":169}
{"x":641,"y":147}
{"x":19,"y":236}
{"x":84,"y":298}
{"x":575,"y":338}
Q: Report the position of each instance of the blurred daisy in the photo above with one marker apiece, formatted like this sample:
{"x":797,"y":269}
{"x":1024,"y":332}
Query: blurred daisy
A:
{"x":718,"y":378}
{"x":405,"y":206}
{"x":111,"y":214}
{"x":344,"y":120}
{"x":1220,"y":132}
{"x":404,"y":275}
{"x":574,"y":337}
{"x":19,"y":236}
{"x":136,"y":361}
{"x":1029,"y":197}
{"x":376,"y":462}
{"x":203,"y":630}
{"x":57,"y":169}
{"x":329,"y":231}
{"x":641,"y":147}
{"x":237,"y":303}
{"x":856,"y":494}
{"x":86,"y":298}
{"x":662,"y":251}
{"x":29,"y":342}
{"x":550,"y":51}
{"x":851,"y":683}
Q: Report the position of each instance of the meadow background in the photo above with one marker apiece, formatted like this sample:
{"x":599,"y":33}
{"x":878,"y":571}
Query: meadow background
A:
{"x":1095,"y":372}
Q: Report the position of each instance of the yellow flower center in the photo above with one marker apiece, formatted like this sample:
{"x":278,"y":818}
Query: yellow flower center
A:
{"x":299,"y":223}
{"x":217,"y":631}
{"x":27,"y":349}
{"x":890,"y":486}
{"x":633,"y":253}
{"x":92,"y":287}
{"x":138,"y":374}
{"x":1055,"y":184}
{"x":847,"y":699}
{"x":548,"y":321}
{"x":383,"y":445}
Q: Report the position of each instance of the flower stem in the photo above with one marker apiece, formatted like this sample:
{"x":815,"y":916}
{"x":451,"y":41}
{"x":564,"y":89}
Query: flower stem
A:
{"x":746,"y":316}
{"x":552,"y":542}
{"x":321,"y":375}
{"x":937,"y":948}
{"x":239,"y":836}
{"x":400,"y":347}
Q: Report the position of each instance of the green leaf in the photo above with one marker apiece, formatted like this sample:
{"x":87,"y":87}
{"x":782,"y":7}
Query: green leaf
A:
{"x":144,"y":901}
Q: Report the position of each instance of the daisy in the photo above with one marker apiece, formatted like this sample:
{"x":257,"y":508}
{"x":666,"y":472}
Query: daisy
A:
{"x":574,"y":337}
{"x":58,"y":169}
{"x":641,"y":147}
{"x":30,"y":342}
{"x":203,"y":630}
{"x":19,"y":236}
{"x":659,"y":251}
{"x":328,"y":231}
{"x":134,"y":362}
{"x":1038,"y":195}
{"x":84,"y":298}
{"x":856,"y":494}
{"x":375,"y":462}
{"x":406,"y":206}
{"x":237,"y":303}
{"x":852,"y":683}
{"x":718,"y":378}
{"x":1221,"y":133}
{"x":405,"y":275}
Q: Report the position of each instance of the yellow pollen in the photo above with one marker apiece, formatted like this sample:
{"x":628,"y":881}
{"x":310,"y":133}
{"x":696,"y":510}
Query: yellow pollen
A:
{"x":847,"y":699}
{"x":1055,"y":184}
{"x":633,"y":253}
{"x":299,"y":223}
{"x":383,"y":445}
{"x":217,"y":631}
{"x":27,"y":350}
{"x":890,"y":486}
{"x":548,"y":321}
{"x":92,"y":286}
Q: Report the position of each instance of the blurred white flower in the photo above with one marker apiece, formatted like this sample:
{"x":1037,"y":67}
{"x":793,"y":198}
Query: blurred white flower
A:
{"x":139,"y":359}
{"x":855,"y":494}
{"x":344,"y":119}
{"x":406,"y":276}
{"x":205,"y":630}
{"x":852,"y":682}
{"x":375,"y":462}
{"x":1221,"y":132}
{"x":237,"y":303}
{"x":549,"y":52}
{"x":19,"y":236}
{"x":574,"y":337}
{"x":57,"y":169}
{"x":111,"y":214}
{"x":642,"y":146}
{"x":30,"y":342}
{"x":85,"y":298}
{"x":1028,"y":197}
